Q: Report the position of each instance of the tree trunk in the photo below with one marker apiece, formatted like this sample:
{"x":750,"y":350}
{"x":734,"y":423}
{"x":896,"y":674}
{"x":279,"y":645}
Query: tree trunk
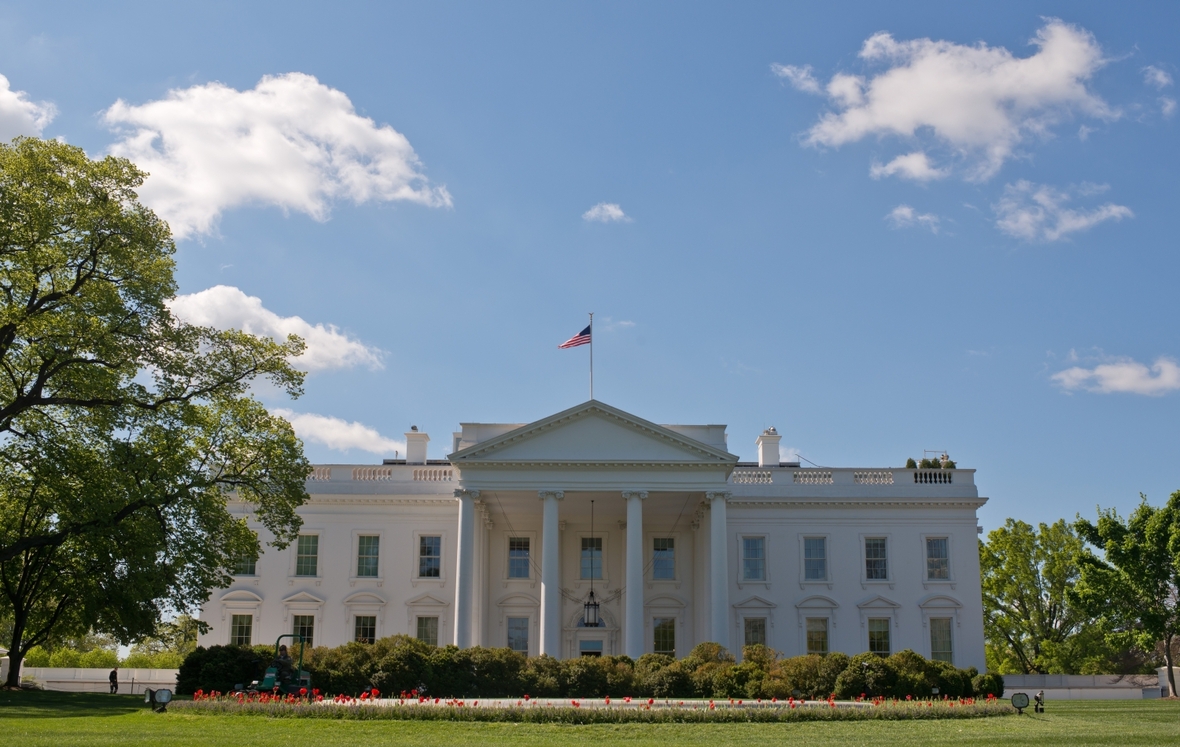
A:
{"x":1168,"y":663}
{"x":16,"y":655}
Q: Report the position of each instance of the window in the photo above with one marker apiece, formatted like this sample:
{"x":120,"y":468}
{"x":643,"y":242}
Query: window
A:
{"x":366,"y":629}
{"x":938,"y":561}
{"x":304,"y":626}
{"x":592,"y":558}
{"x":755,"y":631}
{"x":368,"y":547}
{"x":753,"y":558}
{"x":429,"y":558}
{"x":663,"y":561}
{"x":815,"y":559}
{"x":590,"y":648}
{"x":518,"y":634}
{"x":879,"y":636}
{"x":817,"y":635}
{"x":244,"y":566}
{"x":428,"y":630}
{"x":876,"y":563}
{"x":518,"y":557}
{"x":941,"y":646}
{"x":307,"y":553}
{"x":665,"y":635}
{"x":241,"y":627}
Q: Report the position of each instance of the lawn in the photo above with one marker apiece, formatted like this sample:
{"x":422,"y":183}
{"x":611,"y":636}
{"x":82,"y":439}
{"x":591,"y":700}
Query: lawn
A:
{"x":40,"y":718}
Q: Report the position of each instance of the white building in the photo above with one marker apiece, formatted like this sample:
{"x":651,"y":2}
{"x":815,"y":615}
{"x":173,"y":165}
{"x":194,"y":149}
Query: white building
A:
{"x":494,"y":547}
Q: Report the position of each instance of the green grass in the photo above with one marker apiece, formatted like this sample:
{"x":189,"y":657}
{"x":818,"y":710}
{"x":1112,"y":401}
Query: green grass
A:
{"x":40,"y":718}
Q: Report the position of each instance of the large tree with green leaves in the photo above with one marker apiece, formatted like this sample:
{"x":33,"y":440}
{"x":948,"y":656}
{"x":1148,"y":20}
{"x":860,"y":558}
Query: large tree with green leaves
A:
{"x":1134,"y":591}
{"x":124,"y":432}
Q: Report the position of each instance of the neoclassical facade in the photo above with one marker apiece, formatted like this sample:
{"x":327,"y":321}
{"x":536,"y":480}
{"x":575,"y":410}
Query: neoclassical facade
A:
{"x":502,"y":543}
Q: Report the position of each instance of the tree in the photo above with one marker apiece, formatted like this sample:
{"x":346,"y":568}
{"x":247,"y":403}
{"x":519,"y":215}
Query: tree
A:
{"x":1134,"y":592}
{"x":1030,"y":626}
{"x":124,"y":432}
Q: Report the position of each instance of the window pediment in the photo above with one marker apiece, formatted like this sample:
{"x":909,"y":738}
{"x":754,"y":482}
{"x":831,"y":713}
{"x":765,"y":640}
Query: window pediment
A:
{"x":241,"y":596}
{"x":364,"y":597}
{"x":817,"y":602}
{"x":878,"y":602}
{"x":939,"y":601}
{"x":755,"y":603}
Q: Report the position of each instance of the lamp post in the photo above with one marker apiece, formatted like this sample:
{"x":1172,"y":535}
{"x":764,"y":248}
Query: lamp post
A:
{"x":590,"y":619}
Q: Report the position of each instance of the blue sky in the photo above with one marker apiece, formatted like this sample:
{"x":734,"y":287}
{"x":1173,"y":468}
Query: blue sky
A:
{"x":880,"y":228}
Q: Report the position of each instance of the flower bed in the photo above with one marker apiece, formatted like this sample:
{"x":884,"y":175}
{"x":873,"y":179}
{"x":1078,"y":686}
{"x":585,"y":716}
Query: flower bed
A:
{"x":370,"y":706}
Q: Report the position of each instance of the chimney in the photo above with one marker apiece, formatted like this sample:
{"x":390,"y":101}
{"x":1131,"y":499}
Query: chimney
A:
{"x":768,"y":448}
{"x":416,"y":446}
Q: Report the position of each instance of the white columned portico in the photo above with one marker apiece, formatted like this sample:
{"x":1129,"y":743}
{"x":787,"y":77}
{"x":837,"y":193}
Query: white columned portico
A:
{"x":550,"y":573}
{"x":633,"y":615}
{"x":718,"y":568}
{"x":465,"y":567}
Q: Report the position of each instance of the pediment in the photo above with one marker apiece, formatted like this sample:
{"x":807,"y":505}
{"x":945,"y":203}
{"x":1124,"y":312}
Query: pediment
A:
{"x":426,"y":600}
{"x":592,"y":433}
{"x":303,"y":597}
{"x":518,"y":600}
{"x":939,"y":601}
{"x":817,"y":601}
{"x":878,"y":602}
{"x":241,"y":595}
{"x":364,"y":597}
{"x":755,"y":602}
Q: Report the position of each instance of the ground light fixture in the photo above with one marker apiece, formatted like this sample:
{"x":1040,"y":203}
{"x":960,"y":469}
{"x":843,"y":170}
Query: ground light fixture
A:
{"x":157,"y":699}
{"x":590,"y":619}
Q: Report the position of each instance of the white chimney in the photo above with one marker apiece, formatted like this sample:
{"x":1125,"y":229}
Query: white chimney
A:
{"x":416,"y":446}
{"x":768,"y":448}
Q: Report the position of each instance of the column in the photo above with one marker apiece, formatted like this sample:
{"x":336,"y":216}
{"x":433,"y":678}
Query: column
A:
{"x":633,"y":615}
{"x":550,"y":574}
{"x":719,"y":612}
{"x":465,"y":567}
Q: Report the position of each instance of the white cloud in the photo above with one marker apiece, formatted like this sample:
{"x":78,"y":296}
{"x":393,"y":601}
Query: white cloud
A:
{"x":226,"y":307}
{"x":799,"y":77}
{"x":1123,"y":375}
{"x":979,"y":102}
{"x":1154,"y":76}
{"x":1038,"y":212}
{"x":914,"y":166}
{"x":337,"y":434}
{"x":904,"y":216}
{"x":788,"y":454}
{"x":290,"y":141}
{"x":606,"y":212}
{"x":19,"y":115}
{"x":1167,"y":106}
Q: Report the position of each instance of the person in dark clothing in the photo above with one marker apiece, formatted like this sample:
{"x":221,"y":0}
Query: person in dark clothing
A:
{"x":114,"y":678}
{"x":284,"y":670}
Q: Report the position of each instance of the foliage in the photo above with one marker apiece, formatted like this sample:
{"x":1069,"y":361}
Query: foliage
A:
{"x":944,"y":463}
{"x":867,"y":675}
{"x":1134,"y":591}
{"x":222,"y":668}
{"x":125,"y":431}
{"x":989,"y":683}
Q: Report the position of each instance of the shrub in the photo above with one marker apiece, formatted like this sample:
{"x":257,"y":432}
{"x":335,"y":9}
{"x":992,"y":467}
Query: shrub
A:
{"x":402,"y":665}
{"x":671,"y":681}
{"x":867,"y":674}
{"x":803,"y":675}
{"x":64,"y":657}
{"x":830,"y":669}
{"x":221,"y":668}
{"x":99,"y":658}
{"x":986,"y":684}
{"x":36,"y":657}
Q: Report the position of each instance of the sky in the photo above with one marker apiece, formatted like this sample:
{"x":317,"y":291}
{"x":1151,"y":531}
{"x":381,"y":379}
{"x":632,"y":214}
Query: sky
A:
{"x":882,"y":228}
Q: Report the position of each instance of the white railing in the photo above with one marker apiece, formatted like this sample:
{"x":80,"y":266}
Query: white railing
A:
{"x":933,"y":477}
{"x":372,"y":474}
{"x":433,"y":475}
{"x":812,"y":477}
{"x":752,"y":477}
{"x":320,"y":474}
{"x":873,"y":477}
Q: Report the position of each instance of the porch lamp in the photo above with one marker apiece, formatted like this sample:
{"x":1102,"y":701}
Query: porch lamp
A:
{"x":590,"y":620}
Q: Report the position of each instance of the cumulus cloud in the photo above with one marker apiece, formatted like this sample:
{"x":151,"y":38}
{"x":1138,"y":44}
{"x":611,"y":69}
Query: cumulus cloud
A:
{"x":290,"y":142}
{"x":978,"y":103}
{"x":904,"y":216}
{"x":226,"y":307}
{"x":337,"y":434}
{"x":1154,"y":76}
{"x":606,"y":212}
{"x":914,"y":166}
{"x":799,"y":77}
{"x":1167,"y":106}
{"x":1038,"y":212}
{"x":21,"y":116}
{"x":1123,"y":375}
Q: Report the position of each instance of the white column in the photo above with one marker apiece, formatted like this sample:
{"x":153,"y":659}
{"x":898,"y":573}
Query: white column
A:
{"x":550,"y":574}
{"x":465,"y":567}
{"x":633,"y":615}
{"x":718,"y":568}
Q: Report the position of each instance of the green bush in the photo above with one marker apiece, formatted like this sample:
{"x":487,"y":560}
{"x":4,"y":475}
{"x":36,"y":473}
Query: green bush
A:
{"x":221,"y":668}
{"x":99,"y":658}
{"x":36,"y":657}
{"x":869,"y":675}
{"x":65,"y":657}
{"x":986,"y":684}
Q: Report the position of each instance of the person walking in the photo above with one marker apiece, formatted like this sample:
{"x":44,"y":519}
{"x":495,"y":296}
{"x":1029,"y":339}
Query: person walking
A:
{"x":114,"y":678}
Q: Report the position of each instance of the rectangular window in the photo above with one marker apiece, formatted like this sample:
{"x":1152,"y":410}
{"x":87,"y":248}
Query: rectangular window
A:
{"x":941,"y":646}
{"x":241,"y":629}
{"x":938,"y":561}
{"x":815,"y":558}
{"x":244,"y":566}
{"x":428,"y":630}
{"x":366,"y":629}
{"x":518,"y":634}
{"x":307,"y":554}
{"x":665,"y":635}
{"x":817,"y":635}
{"x":753,"y":558}
{"x":876,"y":562}
{"x":429,"y":557}
{"x":592,"y":558}
{"x":755,"y":631}
{"x":368,"y":550}
{"x":304,"y":626}
{"x":590,"y":648}
{"x":663,"y":561}
{"x":518,"y":557}
{"x":879,"y":636}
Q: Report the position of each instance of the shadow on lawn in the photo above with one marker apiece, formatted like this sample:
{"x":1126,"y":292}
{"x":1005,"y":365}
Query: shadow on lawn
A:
{"x":43,"y":704}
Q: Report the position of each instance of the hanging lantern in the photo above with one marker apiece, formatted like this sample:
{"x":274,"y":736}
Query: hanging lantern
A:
{"x":591,"y":618}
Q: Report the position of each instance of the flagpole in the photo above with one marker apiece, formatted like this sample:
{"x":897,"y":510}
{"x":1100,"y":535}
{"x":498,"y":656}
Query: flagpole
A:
{"x":591,"y":355}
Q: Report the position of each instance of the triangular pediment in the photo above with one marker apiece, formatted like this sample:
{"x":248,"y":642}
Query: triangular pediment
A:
{"x":878,"y":602}
{"x":303,"y":597}
{"x":755,"y":602}
{"x":425,"y":600}
{"x":592,"y":433}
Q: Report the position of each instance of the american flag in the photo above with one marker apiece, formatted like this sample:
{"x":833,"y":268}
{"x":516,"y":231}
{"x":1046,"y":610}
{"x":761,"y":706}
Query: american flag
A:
{"x":582,"y":338}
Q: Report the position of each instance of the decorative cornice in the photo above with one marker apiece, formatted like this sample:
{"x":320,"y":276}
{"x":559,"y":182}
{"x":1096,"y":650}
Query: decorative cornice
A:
{"x":859,"y":502}
{"x":629,"y":494}
{"x":573,"y":464}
